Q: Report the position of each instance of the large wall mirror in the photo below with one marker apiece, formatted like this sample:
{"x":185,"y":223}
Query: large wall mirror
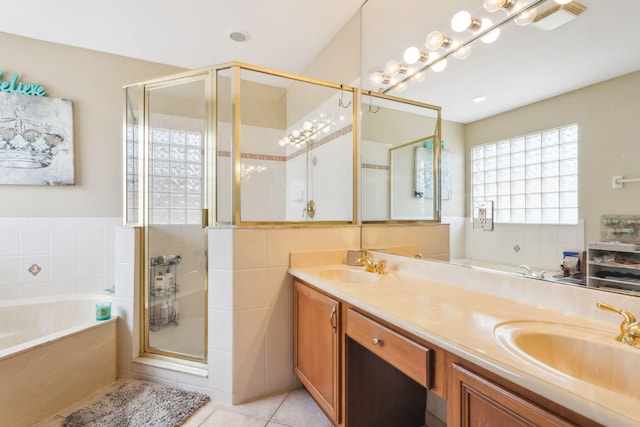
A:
{"x":571,"y":78}
{"x":399,"y":159}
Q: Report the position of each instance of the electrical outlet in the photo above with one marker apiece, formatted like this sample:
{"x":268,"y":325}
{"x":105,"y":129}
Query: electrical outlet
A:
{"x":483,"y":216}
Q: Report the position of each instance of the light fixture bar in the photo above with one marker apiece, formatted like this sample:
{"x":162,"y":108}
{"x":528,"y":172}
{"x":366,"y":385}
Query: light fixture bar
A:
{"x":475,"y":37}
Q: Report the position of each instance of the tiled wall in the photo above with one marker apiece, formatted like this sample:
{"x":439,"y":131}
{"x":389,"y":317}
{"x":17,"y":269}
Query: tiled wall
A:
{"x":538,"y":246}
{"x":49,"y":256}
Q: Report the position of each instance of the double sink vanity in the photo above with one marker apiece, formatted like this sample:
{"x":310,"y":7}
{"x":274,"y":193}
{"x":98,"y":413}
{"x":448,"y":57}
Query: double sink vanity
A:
{"x":372,"y":348}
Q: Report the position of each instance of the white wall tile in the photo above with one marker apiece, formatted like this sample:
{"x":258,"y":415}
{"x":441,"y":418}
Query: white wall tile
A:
{"x":34,"y":240}
{"x":64,"y":267}
{"x":91,"y":238}
{"x":221,"y":248}
{"x":248,"y":374}
{"x":249,"y":248}
{"x":64,"y":239}
{"x":257,"y":288}
{"x":9,"y":241}
{"x":90,"y":265}
{"x":221,"y":289}
{"x":124,"y":245}
{"x":249,"y":329}
{"x":221,"y":370}
{"x":221,"y":330}
{"x":279,"y":244}
{"x":10,"y":268}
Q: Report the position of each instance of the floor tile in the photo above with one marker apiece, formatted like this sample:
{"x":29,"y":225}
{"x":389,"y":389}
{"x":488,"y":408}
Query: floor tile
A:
{"x":263,"y":408}
{"x":201,"y":414}
{"x":300,"y":410}
{"x":223,"y":418}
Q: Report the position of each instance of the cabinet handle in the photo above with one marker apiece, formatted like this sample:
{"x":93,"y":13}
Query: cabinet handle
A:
{"x":332,"y":320}
{"x":376,"y":341}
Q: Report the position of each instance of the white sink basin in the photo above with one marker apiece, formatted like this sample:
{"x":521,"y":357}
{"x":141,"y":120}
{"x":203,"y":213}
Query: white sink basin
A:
{"x":574,"y":352}
{"x":349,"y":275}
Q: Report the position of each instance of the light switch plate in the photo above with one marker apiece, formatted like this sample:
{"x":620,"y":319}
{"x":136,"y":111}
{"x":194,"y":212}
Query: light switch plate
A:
{"x":483,"y":216}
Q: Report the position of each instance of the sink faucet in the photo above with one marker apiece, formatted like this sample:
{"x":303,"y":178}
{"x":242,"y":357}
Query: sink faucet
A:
{"x":529,"y":272}
{"x":372,"y":267}
{"x":629,"y":328}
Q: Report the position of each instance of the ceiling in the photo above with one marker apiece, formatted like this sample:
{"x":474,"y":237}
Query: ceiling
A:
{"x":187,"y":33}
{"x":525,"y":65}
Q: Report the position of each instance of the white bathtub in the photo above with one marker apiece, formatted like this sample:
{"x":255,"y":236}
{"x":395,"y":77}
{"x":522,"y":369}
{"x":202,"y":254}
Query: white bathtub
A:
{"x":52,"y":353}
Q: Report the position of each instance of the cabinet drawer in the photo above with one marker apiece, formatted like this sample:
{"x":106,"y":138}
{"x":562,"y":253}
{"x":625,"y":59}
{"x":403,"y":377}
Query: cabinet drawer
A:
{"x":405,"y":355}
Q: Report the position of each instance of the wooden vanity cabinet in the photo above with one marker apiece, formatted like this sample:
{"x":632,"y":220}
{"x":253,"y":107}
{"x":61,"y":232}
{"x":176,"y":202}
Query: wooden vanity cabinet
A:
{"x":478,"y":398}
{"x":316,"y":356}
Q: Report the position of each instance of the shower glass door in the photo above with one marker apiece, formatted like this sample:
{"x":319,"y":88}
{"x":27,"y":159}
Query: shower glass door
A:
{"x":175,"y":249}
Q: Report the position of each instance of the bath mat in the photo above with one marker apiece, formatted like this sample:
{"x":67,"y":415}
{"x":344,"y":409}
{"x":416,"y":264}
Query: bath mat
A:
{"x":139,"y":404}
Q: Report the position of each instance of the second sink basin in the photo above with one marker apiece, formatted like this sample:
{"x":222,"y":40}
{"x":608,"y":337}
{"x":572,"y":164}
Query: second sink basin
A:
{"x":575,"y":352}
{"x":349,"y":275}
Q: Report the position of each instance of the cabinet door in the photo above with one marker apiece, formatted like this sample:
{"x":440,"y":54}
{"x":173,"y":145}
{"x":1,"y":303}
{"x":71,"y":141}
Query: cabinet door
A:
{"x":475,"y":401}
{"x":316,"y":346}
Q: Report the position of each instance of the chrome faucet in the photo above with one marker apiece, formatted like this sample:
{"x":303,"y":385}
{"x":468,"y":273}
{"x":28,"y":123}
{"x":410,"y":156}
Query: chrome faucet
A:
{"x":372,"y":267}
{"x":629,"y":328}
{"x":529,"y":272}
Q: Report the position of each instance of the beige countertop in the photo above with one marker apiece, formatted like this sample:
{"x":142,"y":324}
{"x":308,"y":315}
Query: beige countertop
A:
{"x":462,"y":321}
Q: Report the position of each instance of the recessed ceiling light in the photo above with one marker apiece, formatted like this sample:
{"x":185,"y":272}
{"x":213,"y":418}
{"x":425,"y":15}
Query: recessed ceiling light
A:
{"x":480,"y":98}
{"x":238,"y":35}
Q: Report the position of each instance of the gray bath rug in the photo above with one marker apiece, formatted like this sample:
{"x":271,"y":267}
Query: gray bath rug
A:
{"x":139,"y":404}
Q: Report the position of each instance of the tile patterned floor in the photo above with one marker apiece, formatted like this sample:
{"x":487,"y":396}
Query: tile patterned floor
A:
{"x":292,"y":409}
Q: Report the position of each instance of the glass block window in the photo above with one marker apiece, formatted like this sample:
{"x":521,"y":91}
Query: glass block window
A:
{"x":531,"y":179}
{"x":133,"y":174}
{"x":175,"y":172}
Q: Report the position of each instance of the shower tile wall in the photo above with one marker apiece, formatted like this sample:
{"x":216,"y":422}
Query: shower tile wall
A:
{"x":50,"y":256}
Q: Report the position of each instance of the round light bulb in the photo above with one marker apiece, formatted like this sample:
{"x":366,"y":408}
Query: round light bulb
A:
{"x":526,"y":17}
{"x":418,"y":77}
{"x":286,"y":140}
{"x":392,"y":68}
{"x":307,"y":126}
{"x":492,"y":5}
{"x":412,"y":55}
{"x":401,"y":87}
{"x":461,"y":21}
{"x":281,"y":143}
{"x":377,"y":78}
{"x":436,"y":39}
{"x":296,"y":133}
{"x":439,"y":66}
{"x":493,"y":35}
{"x":463,"y":52}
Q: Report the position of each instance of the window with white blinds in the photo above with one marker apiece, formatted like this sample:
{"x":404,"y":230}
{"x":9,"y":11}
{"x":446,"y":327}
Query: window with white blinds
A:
{"x":531,"y":179}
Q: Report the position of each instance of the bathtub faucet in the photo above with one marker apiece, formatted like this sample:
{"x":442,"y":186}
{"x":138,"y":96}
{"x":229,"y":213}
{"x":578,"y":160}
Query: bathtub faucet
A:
{"x":529,"y":272}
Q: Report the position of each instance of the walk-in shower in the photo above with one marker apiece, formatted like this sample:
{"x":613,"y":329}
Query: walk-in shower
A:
{"x":231,"y":145}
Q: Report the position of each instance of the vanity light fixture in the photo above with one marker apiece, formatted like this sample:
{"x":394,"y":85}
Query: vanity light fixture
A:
{"x":396,"y":75}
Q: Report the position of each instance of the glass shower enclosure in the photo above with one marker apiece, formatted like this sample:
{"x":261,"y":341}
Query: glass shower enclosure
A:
{"x":233,"y":145}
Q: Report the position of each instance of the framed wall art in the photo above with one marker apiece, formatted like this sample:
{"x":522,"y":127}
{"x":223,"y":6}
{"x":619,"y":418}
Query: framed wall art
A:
{"x":36,"y":140}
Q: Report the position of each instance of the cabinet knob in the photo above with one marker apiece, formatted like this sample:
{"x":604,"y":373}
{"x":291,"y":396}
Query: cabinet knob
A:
{"x":376,"y":341}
